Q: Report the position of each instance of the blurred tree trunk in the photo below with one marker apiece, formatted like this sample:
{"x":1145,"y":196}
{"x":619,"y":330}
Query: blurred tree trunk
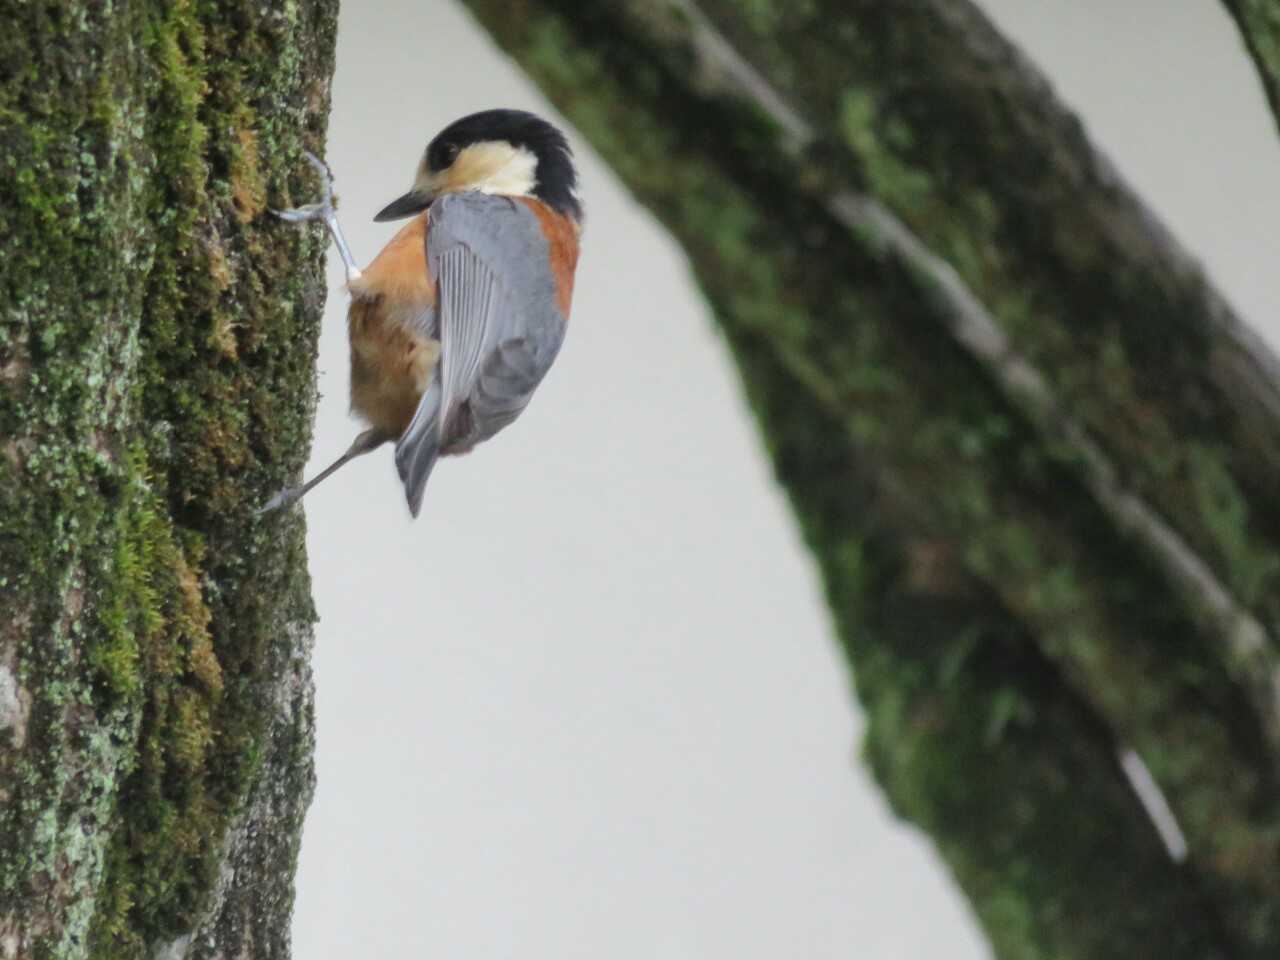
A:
{"x":1034,"y":452}
{"x":157,"y":346}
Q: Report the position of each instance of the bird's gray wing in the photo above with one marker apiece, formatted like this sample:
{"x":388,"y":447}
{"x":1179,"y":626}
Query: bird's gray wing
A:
{"x":500,"y":327}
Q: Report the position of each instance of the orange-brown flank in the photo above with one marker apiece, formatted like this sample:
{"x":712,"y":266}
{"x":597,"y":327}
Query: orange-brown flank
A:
{"x":562,"y":242}
{"x":391,"y":361}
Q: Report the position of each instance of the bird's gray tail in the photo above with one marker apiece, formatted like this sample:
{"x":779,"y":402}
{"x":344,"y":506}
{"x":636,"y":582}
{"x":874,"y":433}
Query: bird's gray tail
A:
{"x":418,"y":447}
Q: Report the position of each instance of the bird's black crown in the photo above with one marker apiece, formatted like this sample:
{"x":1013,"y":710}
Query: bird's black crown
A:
{"x":557,"y":179}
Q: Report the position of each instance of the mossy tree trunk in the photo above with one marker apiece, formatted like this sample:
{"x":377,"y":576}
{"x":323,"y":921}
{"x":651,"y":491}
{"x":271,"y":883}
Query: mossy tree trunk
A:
{"x":157,"y":346}
{"x":1033,"y":450}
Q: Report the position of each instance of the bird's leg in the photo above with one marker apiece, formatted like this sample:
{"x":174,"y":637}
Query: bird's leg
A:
{"x":371,"y":439}
{"x":325,"y":213}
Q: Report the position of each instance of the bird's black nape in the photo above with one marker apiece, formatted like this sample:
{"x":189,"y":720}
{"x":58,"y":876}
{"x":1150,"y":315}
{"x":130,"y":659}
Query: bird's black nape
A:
{"x":557,"y":179}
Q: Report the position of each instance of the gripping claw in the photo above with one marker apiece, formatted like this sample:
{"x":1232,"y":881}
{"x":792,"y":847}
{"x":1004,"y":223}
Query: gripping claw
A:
{"x":325,"y":213}
{"x":322,"y":211}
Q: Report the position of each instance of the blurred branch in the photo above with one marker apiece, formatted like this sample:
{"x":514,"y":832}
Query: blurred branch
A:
{"x":1030,"y":444}
{"x":1259,"y":23}
{"x":1254,"y":656}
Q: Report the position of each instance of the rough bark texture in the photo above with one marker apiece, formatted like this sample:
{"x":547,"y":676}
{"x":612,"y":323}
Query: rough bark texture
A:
{"x":1032,"y":448}
{"x":157,"y":346}
{"x":1259,"y":23}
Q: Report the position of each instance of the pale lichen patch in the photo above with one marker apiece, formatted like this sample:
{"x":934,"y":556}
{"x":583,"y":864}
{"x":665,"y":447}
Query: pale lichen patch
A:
{"x":15,"y":708}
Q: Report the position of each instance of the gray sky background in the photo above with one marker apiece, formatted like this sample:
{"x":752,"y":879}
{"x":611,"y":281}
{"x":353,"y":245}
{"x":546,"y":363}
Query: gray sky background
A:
{"x":587,"y":705}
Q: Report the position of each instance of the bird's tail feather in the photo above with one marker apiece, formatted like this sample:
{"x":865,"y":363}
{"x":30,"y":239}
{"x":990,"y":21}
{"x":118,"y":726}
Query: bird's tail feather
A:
{"x":419,"y":446}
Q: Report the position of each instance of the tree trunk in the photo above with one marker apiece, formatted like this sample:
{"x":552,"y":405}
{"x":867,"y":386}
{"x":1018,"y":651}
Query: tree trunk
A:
{"x":1032,"y":449}
{"x":157,"y":347}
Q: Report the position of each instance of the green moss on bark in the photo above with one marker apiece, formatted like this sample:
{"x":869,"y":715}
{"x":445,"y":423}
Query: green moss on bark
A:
{"x":156,"y":379}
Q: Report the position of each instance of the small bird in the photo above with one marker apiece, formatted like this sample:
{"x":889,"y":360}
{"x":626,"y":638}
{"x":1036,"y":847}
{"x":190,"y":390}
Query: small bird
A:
{"x":456,"y":321}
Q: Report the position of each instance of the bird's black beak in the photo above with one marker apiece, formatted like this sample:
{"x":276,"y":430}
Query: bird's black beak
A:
{"x":406,"y":206}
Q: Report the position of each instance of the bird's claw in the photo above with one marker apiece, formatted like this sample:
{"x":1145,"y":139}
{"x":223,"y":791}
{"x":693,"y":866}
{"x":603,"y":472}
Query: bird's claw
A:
{"x":285,"y":498}
{"x":322,"y":211}
{"x":311,"y":211}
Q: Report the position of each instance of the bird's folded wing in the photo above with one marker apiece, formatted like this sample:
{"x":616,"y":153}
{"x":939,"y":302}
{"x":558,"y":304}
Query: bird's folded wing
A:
{"x":500,"y":327}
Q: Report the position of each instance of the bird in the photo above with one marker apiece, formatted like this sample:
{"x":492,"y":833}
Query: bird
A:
{"x":454,"y":324}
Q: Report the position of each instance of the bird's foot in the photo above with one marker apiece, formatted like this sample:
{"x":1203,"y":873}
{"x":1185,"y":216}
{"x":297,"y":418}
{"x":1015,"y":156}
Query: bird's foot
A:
{"x":285,"y":498}
{"x":324,"y":212}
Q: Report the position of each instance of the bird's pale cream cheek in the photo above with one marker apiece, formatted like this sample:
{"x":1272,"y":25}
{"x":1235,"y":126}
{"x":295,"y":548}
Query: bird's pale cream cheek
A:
{"x":495,"y":167}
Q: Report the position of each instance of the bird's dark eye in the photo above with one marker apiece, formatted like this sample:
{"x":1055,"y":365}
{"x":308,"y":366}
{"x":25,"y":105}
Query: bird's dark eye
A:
{"x":446,"y":153}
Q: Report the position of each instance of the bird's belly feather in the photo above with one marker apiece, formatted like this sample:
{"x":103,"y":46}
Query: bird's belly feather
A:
{"x":391,"y":365}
